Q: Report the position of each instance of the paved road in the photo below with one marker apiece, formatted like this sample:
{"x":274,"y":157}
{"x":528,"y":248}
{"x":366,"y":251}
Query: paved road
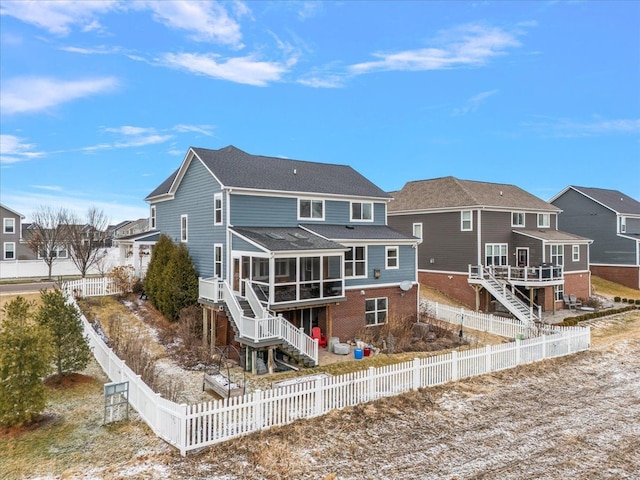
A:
{"x":15,"y":288}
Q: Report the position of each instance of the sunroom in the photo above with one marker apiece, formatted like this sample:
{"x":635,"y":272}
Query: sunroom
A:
{"x":287,"y":267}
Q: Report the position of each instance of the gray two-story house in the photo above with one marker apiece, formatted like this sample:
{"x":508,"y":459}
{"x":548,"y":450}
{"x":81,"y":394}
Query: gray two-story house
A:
{"x":612,"y":220}
{"x":491,"y":246}
{"x":11,"y":234}
{"x":283,"y":246}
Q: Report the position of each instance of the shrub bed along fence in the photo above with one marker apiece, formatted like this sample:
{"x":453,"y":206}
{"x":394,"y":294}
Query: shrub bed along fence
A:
{"x":192,"y":427}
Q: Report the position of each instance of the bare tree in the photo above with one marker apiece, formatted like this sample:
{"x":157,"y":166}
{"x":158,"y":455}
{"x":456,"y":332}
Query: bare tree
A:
{"x":47,"y":236}
{"x":85,"y":240}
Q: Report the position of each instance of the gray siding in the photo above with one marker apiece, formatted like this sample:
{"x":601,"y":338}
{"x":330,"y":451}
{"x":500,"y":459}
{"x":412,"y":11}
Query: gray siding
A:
{"x":194,"y":198}
{"x":443,"y":241}
{"x":376,"y":258}
{"x":241,"y":245}
{"x":261,"y":211}
{"x":633,"y":226}
{"x":534,"y":246}
{"x":589,"y":219}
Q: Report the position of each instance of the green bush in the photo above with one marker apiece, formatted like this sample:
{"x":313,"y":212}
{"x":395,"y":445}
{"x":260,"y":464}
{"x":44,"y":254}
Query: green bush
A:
{"x":632,"y":301}
{"x":25,"y":358}
{"x":616,"y":299}
{"x":171,"y":283}
{"x":71,"y":352}
{"x":637,"y":301}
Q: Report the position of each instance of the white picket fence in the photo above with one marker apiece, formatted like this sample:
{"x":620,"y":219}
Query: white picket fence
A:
{"x":191,"y":427}
{"x":91,"y":287}
{"x":483,"y":322}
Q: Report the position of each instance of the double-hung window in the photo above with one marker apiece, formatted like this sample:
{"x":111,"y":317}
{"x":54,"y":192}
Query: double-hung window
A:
{"x":544,"y":220}
{"x":152,"y":218}
{"x":495,"y":254}
{"x":355,"y":262}
{"x":217,"y":260}
{"x":466,"y":220}
{"x":417,"y":230}
{"x":310,"y":209}
{"x":392,"y":256}
{"x":9,"y":225}
{"x":375,"y":311}
{"x":557,"y":255}
{"x":184,"y":228}
{"x":517,"y":219}
{"x":217,"y":209}
{"x":362,"y":211}
{"x":9,"y":250}
{"x":575,"y":253}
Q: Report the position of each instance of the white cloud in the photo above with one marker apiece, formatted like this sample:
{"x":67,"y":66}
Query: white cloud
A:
{"x":32,"y":94}
{"x":244,"y":70}
{"x":129,"y":130}
{"x":116,"y":208}
{"x":308,"y":9}
{"x":329,"y":81}
{"x":58,"y":17}
{"x":474,"y":102}
{"x":203,"y":129}
{"x":99,"y":50}
{"x":51,"y":188}
{"x":466,"y":46}
{"x":205,"y":21}
{"x":13,"y":150}
{"x":574,"y":129}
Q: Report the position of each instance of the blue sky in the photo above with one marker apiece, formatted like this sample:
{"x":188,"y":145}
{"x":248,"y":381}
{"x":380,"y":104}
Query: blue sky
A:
{"x":100,"y":101}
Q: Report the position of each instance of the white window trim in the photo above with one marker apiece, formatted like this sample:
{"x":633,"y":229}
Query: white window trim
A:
{"x":397,"y":257}
{"x":12,"y":221}
{"x":216,"y":247}
{"x":541,"y":218}
{"x":524,"y":219}
{"x":184,"y":228}
{"x":623,"y":224}
{"x":413,"y":229}
{"x":557,"y":247}
{"x":462,"y":220}
{"x":152,"y":216}
{"x":215,"y":209}
{"x":311,"y":218}
{"x":376,"y":311}
{"x":558,"y":291}
{"x":501,"y":246}
{"x":360,"y":219}
{"x":353,"y":262}
{"x":575,"y":253}
{"x":4,"y":250}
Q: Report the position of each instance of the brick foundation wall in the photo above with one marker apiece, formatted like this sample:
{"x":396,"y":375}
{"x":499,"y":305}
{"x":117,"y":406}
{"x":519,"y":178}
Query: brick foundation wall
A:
{"x":455,"y":287}
{"x":627,"y":276}
{"x":347,"y":318}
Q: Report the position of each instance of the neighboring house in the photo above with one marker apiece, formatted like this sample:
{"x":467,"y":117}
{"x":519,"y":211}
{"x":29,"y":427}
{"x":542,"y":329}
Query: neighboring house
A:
{"x":284,"y":246}
{"x":612,"y":220}
{"x":131,"y":227}
{"x":13,"y":248}
{"x":492,"y":246}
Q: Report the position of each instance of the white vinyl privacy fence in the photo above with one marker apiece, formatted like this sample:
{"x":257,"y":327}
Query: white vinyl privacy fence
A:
{"x":191,"y":427}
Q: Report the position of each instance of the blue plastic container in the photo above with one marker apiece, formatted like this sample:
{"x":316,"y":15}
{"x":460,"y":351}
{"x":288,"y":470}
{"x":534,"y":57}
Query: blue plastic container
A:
{"x":358,"y":353}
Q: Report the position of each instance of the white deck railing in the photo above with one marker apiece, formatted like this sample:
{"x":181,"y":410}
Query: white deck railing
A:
{"x":191,"y":427}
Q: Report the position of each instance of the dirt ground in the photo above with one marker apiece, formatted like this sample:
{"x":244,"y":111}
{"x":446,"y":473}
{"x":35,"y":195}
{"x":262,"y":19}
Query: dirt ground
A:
{"x":574,"y":417}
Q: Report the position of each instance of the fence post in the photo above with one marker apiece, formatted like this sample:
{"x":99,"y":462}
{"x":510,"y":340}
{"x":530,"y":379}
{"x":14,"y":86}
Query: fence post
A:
{"x":491,"y":322}
{"x":544,"y":346}
{"x":518,"y":351}
{"x":371,"y":384}
{"x":319,"y":393}
{"x":487,"y":358}
{"x":182,"y":420}
{"x":257,"y":409}
{"x":454,"y":366}
{"x":416,"y":374}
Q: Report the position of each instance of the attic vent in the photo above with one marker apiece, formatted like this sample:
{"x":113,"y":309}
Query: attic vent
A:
{"x":350,"y":227}
{"x":275,"y":236}
{"x":298,"y":235}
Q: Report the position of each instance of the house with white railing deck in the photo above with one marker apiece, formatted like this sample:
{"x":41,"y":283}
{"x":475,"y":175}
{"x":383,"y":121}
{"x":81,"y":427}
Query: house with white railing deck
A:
{"x":283,"y":246}
{"x":494,"y":247}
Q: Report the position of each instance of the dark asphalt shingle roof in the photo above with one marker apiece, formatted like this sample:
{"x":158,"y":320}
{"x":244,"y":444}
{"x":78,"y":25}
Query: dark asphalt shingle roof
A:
{"x":552,"y":235}
{"x":357,"y":232}
{"x":235,"y":168}
{"x":613,"y":199}
{"x":451,"y":192}
{"x":276,"y":239}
